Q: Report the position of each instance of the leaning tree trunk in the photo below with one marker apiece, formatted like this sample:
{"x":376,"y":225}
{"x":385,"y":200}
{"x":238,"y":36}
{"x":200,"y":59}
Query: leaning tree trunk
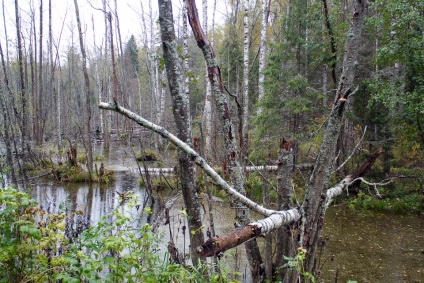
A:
{"x":236,"y":175}
{"x":182,"y":117}
{"x":313,"y":204}
{"x":87,"y":139}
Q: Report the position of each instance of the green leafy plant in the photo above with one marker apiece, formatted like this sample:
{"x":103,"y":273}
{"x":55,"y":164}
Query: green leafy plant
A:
{"x":296,"y":264}
{"x":33,"y":248}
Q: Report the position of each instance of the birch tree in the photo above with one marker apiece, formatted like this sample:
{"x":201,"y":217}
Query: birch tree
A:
{"x":246,"y":42}
{"x":262,"y":54}
{"x":207,"y":110}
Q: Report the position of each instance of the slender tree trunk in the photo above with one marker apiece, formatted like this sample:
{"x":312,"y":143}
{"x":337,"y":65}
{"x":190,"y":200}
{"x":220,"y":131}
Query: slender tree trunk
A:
{"x":6,"y":37}
{"x":34,"y":75}
{"x":39,"y":134}
{"x":207,"y":109}
{"x":87,"y":134}
{"x":332,"y":42}
{"x":284,"y":243}
{"x":114,"y":74}
{"x":262,"y":55}
{"x":24,"y":118}
{"x":8,"y":132}
{"x":182,"y":117}
{"x":245,"y":128}
{"x":58,"y":114}
{"x":106,"y":86}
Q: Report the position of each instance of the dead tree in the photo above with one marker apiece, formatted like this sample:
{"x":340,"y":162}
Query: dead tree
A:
{"x":87,"y":128}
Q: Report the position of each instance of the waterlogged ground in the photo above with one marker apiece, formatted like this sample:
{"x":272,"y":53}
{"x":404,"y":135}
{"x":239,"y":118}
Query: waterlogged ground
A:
{"x":373,"y":246}
{"x":367,"y":247}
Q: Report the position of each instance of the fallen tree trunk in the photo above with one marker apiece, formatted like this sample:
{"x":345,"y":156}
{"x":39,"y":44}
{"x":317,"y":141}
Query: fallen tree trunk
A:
{"x":217,"y":245}
{"x":274,"y":218}
{"x":235,"y":195}
{"x":269,"y":168}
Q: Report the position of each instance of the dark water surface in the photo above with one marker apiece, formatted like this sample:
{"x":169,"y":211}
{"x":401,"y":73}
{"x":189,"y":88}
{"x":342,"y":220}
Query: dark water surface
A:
{"x":367,"y":246}
{"x":373,"y":246}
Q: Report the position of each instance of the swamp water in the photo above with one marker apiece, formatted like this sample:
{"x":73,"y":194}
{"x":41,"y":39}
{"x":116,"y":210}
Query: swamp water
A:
{"x":367,"y":246}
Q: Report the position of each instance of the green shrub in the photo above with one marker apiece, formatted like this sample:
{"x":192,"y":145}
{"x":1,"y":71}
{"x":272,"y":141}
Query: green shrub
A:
{"x":33,"y":248}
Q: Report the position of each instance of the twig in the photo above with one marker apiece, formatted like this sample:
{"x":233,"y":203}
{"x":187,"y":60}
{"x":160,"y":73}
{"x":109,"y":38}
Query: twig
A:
{"x":383,"y":183}
{"x":353,"y":152}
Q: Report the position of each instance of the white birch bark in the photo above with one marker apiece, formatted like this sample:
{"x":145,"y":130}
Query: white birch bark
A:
{"x":162,"y":97}
{"x":59,"y":128}
{"x":194,"y":156}
{"x":262,"y":55}
{"x":273,"y":220}
{"x":245,"y":129}
{"x":107,"y":123}
{"x":207,"y":110}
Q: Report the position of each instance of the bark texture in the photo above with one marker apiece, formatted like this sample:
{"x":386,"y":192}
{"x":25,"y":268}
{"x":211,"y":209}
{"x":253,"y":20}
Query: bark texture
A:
{"x":87,"y":125}
{"x":284,"y":241}
{"x":262,"y":55}
{"x":312,"y":217}
{"x":24,"y":100}
{"x":246,"y":42}
{"x":222,"y":106}
{"x":181,"y":110}
{"x":274,"y":220}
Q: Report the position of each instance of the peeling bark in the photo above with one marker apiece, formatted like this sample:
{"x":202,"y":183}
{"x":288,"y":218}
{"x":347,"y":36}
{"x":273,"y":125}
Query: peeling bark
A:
{"x":232,"y":155}
{"x":278,"y":219}
{"x":275,"y":219}
{"x":217,"y":245}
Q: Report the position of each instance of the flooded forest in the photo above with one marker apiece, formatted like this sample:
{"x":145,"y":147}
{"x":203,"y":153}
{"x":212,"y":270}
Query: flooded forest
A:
{"x":212,"y":141}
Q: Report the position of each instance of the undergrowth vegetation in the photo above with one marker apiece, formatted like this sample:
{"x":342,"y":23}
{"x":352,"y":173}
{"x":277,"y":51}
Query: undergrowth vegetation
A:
{"x":34,"y":248}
